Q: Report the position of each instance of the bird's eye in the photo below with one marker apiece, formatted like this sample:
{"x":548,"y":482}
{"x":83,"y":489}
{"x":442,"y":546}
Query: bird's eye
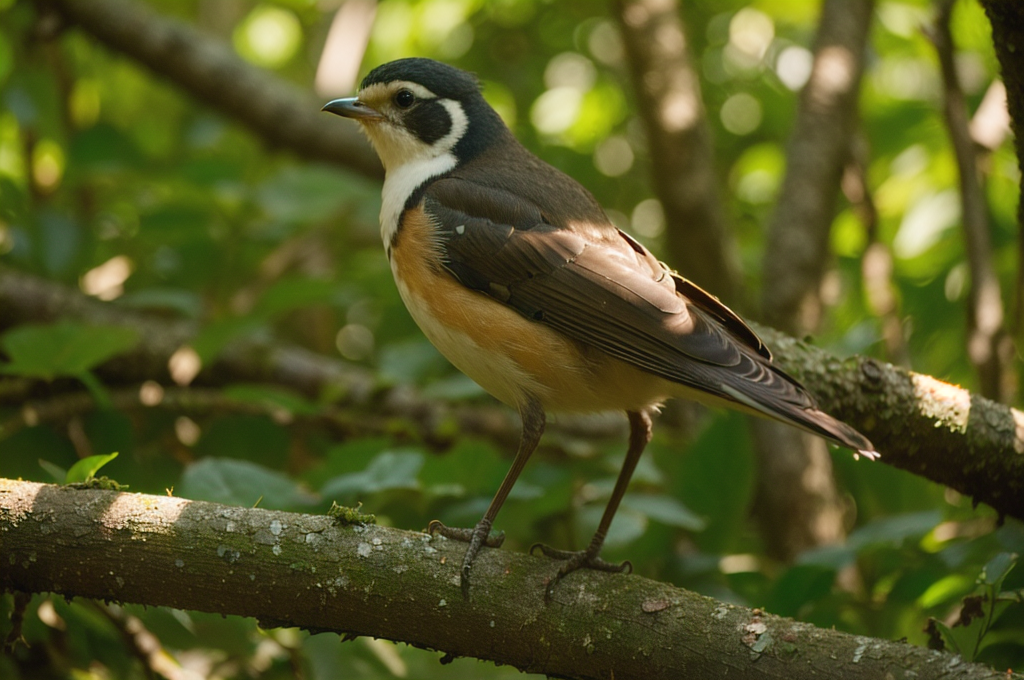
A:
{"x":404,"y":98}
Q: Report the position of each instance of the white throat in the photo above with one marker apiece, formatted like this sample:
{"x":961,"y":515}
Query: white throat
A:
{"x":408,"y":163}
{"x":399,"y":185}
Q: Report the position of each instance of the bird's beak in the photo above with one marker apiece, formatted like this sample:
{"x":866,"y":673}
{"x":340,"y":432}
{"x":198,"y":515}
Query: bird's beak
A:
{"x":351,"y":107}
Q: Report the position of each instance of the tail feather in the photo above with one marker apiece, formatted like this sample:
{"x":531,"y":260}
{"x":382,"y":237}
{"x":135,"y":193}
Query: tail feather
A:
{"x":811,"y":420}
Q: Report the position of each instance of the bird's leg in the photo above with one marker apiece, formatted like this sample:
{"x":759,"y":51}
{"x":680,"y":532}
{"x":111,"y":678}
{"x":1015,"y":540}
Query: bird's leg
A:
{"x":639,"y":436}
{"x":532,"y":414}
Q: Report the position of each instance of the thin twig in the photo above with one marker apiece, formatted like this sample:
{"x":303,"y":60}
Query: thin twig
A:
{"x":877,"y":262}
{"x":668,"y":94}
{"x":985,"y":304}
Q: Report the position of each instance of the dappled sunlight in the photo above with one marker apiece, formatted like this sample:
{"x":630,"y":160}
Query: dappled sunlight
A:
{"x":337,"y":72}
{"x":1018,"y":423}
{"x":106,"y":281}
{"x":948,"y":405}
{"x":184,"y":365}
{"x":135,"y":512}
{"x":832,"y":74}
{"x":269,"y":36}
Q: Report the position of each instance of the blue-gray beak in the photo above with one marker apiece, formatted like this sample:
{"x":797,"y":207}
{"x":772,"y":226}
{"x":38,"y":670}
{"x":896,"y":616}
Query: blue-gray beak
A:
{"x":351,"y":107}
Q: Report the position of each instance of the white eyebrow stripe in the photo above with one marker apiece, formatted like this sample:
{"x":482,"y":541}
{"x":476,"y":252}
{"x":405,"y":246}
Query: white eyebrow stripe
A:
{"x":417,"y":89}
{"x":387,"y":90}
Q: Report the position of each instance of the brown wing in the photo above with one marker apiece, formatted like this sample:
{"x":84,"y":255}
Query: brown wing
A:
{"x":607,"y":291}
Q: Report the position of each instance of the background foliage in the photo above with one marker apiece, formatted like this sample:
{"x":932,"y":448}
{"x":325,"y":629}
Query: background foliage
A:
{"x":119,"y":184}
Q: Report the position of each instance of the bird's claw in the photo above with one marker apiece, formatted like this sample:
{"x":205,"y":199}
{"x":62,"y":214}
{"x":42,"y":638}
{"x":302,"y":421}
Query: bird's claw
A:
{"x":477,"y":537}
{"x":577,"y":559}
{"x":465,"y":534}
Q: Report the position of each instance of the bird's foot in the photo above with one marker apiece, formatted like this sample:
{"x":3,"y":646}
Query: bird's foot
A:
{"x":578,"y":559}
{"x":477,"y":537}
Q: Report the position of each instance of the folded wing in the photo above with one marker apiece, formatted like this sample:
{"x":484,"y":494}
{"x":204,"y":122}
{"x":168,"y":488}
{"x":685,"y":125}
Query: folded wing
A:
{"x":600,"y":287}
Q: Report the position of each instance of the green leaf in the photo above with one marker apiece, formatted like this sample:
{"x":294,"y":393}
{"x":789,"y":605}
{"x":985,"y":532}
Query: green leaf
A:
{"x":833,"y":556}
{"x":103,"y":149}
{"x":183,"y":302}
{"x":63,"y":349}
{"x":60,"y":241}
{"x":239,"y":482}
{"x":951,"y":641}
{"x":96,"y":388}
{"x":997,"y":569}
{"x":798,"y":586}
{"x":627,"y":526}
{"x":311,"y":192}
{"x":946,"y":589}
{"x":894,"y":530}
{"x":14,"y":204}
{"x":721,"y":452}
{"x":215,"y":336}
{"x":87,"y":468}
{"x":58,"y":473}
{"x":665,"y":509}
{"x":409,"y":362}
{"x":273,"y":398}
{"x":457,"y":387}
{"x":470,"y":467}
{"x":389,"y":470}
{"x":288,"y":294}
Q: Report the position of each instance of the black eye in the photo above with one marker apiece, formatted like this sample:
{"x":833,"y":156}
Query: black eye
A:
{"x":405,"y":99}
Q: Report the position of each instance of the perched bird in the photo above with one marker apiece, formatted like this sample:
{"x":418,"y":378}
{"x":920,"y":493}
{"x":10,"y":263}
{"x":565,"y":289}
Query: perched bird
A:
{"x":515,"y":273}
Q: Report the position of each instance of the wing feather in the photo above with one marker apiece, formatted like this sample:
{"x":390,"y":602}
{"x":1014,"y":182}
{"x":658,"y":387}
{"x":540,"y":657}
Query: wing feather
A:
{"x":609,"y":292}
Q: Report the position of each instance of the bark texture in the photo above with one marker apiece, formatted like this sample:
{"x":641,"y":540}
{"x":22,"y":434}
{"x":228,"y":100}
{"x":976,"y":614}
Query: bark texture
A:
{"x":313,"y":572}
{"x":931,"y":428}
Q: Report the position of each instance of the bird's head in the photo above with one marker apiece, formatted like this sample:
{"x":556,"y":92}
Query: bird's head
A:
{"x":418,"y":109}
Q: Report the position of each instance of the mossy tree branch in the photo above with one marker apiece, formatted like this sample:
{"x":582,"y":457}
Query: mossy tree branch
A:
{"x":311,"y":571}
{"x":931,"y":428}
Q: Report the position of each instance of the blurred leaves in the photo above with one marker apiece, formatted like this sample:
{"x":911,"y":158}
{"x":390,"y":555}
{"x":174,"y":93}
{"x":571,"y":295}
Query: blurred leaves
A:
{"x":389,"y":470}
{"x":967,"y":635}
{"x":65,"y":349}
{"x":99,"y":160}
{"x":62,"y":349}
{"x":240,"y":482}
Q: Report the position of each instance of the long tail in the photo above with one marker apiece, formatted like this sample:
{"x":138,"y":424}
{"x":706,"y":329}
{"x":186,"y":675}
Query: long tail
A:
{"x":807,"y":417}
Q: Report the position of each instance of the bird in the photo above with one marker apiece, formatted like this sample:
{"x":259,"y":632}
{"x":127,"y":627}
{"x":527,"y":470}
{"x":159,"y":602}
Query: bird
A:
{"x":514,"y":271}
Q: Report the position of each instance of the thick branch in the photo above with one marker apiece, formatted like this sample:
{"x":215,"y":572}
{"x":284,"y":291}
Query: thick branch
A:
{"x":28,"y":299}
{"x":282,"y":114}
{"x":683,"y":170}
{"x":931,"y":428}
{"x":309,"y":571}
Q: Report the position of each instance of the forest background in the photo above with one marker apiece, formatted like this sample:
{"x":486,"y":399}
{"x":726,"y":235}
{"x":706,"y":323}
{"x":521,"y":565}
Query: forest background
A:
{"x":191,"y":276}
